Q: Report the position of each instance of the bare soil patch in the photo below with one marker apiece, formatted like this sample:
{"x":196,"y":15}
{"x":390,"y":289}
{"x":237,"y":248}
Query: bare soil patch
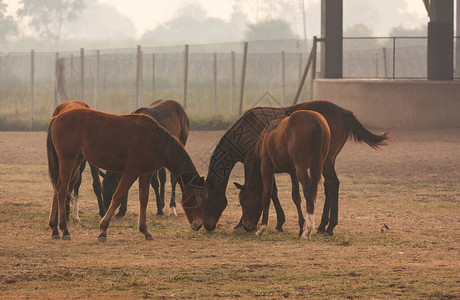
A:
{"x":412,"y":187}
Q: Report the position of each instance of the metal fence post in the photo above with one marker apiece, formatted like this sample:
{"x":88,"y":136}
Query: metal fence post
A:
{"x":394,"y":56}
{"x":184,"y":92}
{"x":232,"y":83}
{"x":96,"y":81}
{"x":138,"y":76}
{"x":71,"y":76}
{"x":283,"y":79}
{"x":55,"y":90}
{"x":215,"y":82}
{"x":153,"y":76}
{"x":313,"y":66}
{"x":32,"y":87}
{"x":243,"y":77}
{"x":82,"y":74}
{"x":385,"y":72}
{"x":304,"y":76}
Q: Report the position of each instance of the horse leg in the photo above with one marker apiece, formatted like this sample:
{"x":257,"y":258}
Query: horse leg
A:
{"x":156,"y":186}
{"x":297,"y":201}
{"x":66,"y":171}
{"x":280,"y":217}
{"x":144,"y":181}
{"x":172,"y":204}
{"x":266,"y":170}
{"x":53,"y":221}
{"x":310,"y":188}
{"x":123,"y":207}
{"x":97,"y":188}
{"x":331,"y":205}
{"x":126,"y":182}
{"x":327,"y":191}
{"x":76,"y":189}
{"x":68,"y":199}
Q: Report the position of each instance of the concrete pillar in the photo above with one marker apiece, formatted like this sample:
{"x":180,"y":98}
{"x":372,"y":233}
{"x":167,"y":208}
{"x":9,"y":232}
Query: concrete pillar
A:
{"x":332,"y":33}
{"x":440,"y":40}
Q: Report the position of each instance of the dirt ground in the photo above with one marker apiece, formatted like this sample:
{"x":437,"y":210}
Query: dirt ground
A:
{"x":412,"y":188}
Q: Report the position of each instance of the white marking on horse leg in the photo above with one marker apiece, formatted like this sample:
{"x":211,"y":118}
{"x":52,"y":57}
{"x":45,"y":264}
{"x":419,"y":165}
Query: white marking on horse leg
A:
{"x":261,"y":230}
{"x":172,"y":211}
{"x":76,"y":218}
{"x":308,"y":227}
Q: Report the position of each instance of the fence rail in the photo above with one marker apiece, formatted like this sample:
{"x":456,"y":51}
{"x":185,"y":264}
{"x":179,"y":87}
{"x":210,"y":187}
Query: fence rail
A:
{"x":211,"y":80}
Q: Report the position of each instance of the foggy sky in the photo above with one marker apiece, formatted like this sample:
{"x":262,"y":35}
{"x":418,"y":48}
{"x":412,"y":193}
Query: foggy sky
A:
{"x":135,"y":17}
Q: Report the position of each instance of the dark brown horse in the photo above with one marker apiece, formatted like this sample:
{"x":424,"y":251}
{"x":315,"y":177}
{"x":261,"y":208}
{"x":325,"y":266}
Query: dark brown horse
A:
{"x":290,"y":145}
{"x":172,"y":116}
{"x":133,"y":144}
{"x":241,"y":138}
{"x":76,"y":180}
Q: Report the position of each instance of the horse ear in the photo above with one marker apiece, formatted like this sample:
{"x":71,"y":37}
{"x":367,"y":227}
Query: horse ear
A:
{"x":102,"y":174}
{"x":238,"y":186}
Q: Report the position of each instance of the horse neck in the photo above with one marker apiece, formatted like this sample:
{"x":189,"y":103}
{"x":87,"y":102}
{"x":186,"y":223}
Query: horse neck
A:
{"x":239,"y":140}
{"x":253,"y":176}
{"x":180,"y":167}
{"x":221,"y":165}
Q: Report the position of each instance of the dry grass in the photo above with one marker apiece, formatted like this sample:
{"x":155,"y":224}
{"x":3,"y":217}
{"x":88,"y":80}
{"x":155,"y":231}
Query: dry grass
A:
{"x":412,"y":187}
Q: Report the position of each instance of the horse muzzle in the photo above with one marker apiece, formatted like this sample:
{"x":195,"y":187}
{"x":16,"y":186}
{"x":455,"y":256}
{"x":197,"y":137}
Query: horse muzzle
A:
{"x":210,"y":227}
{"x":195,"y":226}
{"x":250,"y":228}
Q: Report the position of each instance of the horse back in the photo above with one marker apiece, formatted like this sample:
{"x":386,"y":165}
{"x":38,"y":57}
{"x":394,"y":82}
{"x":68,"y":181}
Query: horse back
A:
{"x":336,"y":118}
{"x":103,"y":139}
{"x":172,"y":116}
{"x":69,"y":105}
{"x":291,"y":141}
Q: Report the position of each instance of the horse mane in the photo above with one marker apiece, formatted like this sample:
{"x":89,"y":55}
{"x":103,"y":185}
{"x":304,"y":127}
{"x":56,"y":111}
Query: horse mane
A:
{"x":169,"y":145}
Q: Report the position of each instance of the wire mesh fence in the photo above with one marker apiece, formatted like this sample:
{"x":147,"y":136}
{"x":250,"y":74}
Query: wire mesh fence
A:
{"x":207,"y":79}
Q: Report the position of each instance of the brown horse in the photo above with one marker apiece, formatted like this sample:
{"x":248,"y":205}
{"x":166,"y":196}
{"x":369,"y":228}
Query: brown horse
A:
{"x":291,"y":145}
{"x":133,"y":144}
{"x":241,"y":138}
{"x":76,"y":180}
{"x":172,"y":116}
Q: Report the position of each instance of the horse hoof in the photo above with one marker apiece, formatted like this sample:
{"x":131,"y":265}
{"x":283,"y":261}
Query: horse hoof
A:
{"x":77,"y":220}
{"x":55,"y":236}
{"x":66,"y":237}
{"x":259,"y":233}
{"x":149,"y":237}
{"x":102,"y":238}
{"x":280,"y":229}
{"x":119,"y":216}
{"x":238,"y":226}
{"x":172,"y":212}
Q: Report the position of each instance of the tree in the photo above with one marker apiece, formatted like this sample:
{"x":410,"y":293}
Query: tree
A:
{"x":191,"y":25}
{"x":402,"y":31}
{"x":8,"y":26}
{"x":48,"y":16}
{"x":276,"y":29}
{"x":358,"y":30}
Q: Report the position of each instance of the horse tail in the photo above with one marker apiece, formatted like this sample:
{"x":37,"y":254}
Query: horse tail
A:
{"x":317,"y":159}
{"x":53,"y":160}
{"x":358,"y":133}
{"x":60,"y":80}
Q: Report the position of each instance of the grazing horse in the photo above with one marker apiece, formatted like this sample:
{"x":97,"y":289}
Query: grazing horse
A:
{"x":76,"y":180}
{"x":240,"y":140}
{"x":172,"y":116}
{"x":134,"y":144}
{"x":291,"y":145}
